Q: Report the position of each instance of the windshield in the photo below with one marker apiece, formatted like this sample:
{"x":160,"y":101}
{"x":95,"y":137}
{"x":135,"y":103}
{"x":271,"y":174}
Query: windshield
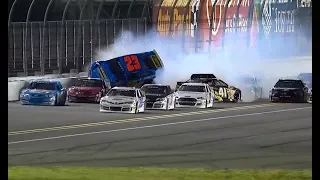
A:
{"x":122,"y":92}
{"x":192,"y":88}
{"x":88,"y":83}
{"x":154,"y":89}
{"x":289,"y":84}
{"x":42,"y":85}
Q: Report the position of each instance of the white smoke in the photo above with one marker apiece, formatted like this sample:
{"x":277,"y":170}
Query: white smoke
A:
{"x":226,"y":65}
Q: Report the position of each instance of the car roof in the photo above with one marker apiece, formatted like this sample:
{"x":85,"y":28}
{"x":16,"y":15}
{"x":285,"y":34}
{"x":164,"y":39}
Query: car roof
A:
{"x":46,"y":80}
{"x":156,"y":85}
{"x":194,"y":84}
{"x":289,"y":80}
{"x":125,"y":88}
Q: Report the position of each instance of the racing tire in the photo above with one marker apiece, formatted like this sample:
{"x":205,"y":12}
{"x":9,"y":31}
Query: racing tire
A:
{"x":136,"y":110}
{"x":56,"y":101}
{"x":206,"y":106}
{"x":98,"y":98}
{"x":167,"y":105}
{"x":303,"y":100}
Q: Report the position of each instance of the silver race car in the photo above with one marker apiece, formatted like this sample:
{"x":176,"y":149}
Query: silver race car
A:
{"x":197,"y":95}
{"x":159,"y":96}
{"x":123,"y":99}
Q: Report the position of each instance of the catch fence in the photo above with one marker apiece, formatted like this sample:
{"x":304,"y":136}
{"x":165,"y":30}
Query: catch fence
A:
{"x":269,"y":28}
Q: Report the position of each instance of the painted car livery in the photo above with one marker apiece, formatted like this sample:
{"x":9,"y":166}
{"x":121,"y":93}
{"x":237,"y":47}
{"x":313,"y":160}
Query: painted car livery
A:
{"x":86,"y":90}
{"x":124,"y":100}
{"x":289,"y":90}
{"x":197,"y":95}
{"x":131,"y":70}
{"x":159,"y":96}
{"x":44,"y":92}
{"x":223,"y":92}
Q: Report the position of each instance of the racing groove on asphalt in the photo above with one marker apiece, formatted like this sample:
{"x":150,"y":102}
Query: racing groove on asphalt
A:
{"x":243,"y":135}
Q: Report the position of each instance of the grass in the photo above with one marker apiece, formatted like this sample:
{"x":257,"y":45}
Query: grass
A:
{"x":83,"y":173}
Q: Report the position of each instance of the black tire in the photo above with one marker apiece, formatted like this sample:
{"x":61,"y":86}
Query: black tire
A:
{"x":56,"y":101}
{"x":206,"y":104}
{"x":69,"y":99}
{"x":136,"y":110}
{"x":167,"y":105}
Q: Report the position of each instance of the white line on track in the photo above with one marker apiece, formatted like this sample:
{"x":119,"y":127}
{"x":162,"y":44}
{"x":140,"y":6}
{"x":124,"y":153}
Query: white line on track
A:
{"x":152,"y":126}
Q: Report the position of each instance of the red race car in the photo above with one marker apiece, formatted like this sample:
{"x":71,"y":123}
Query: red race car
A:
{"x":86,"y":90}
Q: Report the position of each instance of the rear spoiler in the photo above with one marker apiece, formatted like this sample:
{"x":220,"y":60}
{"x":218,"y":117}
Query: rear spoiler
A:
{"x":202,"y":76}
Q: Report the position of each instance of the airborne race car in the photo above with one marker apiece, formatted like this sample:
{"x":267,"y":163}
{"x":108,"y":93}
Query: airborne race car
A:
{"x":222,"y":91}
{"x":159,"y":96}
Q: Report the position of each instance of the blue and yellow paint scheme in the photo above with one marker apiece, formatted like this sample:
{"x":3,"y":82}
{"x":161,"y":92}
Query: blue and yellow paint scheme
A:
{"x":128,"y":70}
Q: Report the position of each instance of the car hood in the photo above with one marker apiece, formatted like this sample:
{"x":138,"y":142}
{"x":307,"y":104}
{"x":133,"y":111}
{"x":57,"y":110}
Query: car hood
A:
{"x":153,"y":97}
{"x":286,"y":89}
{"x":119,"y":99}
{"x":86,"y":89}
{"x":38,"y":91}
{"x":189,"y":94}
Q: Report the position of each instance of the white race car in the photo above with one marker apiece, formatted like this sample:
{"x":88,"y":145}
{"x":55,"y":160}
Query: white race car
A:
{"x":159,"y":96}
{"x":123,"y":99}
{"x":197,"y":95}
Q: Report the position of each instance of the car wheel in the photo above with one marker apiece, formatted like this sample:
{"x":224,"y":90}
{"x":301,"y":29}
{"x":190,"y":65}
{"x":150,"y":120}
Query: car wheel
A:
{"x":56,"y":101}
{"x":206,"y":104}
{"x":136,"y":110}
{"x":167,"y":104}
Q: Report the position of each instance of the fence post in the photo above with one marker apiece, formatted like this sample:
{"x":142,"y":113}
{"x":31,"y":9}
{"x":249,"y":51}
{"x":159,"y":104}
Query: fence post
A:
{"x":210,"y":27}
{"x":224,"y":22}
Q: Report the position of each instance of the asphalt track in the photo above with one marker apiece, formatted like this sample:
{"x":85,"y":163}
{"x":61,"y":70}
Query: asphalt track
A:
{"x":242,"y":135}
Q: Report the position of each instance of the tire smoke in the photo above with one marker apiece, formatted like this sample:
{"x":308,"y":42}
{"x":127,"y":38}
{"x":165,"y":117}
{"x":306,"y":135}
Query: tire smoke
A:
{"x":229,"y":65}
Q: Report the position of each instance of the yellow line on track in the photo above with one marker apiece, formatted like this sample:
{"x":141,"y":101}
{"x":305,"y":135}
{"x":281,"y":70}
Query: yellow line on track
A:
{"x":133,"y":120}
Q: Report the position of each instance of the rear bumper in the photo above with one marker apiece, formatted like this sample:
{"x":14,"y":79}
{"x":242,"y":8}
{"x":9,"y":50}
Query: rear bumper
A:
{"x":286,"y":98}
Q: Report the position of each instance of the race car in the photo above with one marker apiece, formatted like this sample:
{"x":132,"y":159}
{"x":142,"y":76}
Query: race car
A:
{"x":292,"y":90}
{"x":159,"y":96}
{"x":197,"y":95}
{"x":223,"y":92}
{"x":131,"y":70}
{"x":44,"y":92}
{"x":251,"y":84}
{"x":86,"y":90}
{"x":123,"y":99}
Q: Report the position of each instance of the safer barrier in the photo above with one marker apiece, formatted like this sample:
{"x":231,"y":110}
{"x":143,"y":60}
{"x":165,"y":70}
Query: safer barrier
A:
{"x":17,"y":84}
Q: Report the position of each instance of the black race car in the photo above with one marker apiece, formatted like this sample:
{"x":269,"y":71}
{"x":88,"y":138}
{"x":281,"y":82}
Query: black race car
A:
{"x":223,"y":92}
{"x":292,"y":90}
{"x":158,"y":96}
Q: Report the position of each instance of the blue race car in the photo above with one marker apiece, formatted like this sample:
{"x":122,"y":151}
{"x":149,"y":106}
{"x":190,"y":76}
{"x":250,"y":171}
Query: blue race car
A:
{"x":44,"y":92}
{"x":131,"y":70}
